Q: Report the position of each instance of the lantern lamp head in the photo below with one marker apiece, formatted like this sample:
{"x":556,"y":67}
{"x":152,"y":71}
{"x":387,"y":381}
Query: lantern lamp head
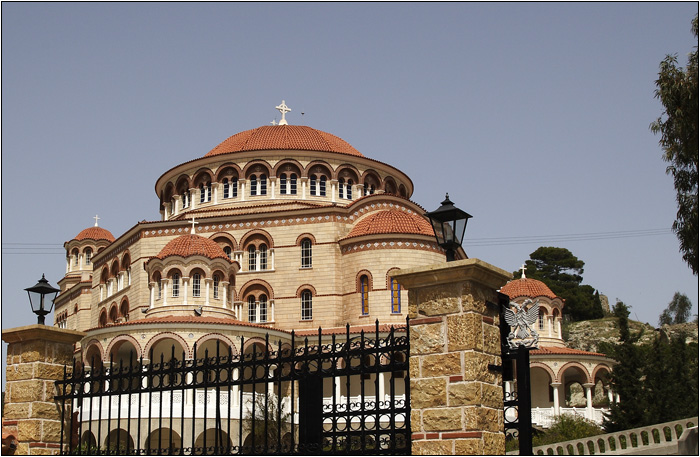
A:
{"x":37,"y":298}
{"x":449,"y":224}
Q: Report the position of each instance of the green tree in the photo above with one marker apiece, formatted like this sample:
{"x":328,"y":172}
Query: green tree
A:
{"x":677,"y":88}
{"x":678,"y":311}
{"x":561,"y":271}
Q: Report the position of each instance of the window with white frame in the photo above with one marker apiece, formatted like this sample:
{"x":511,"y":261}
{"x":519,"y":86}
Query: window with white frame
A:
{"x":88,"y":256}
{"x":306,"y":259}
{"x":262,"y":303}
{"x":263,"y":257}
{"x":251,"y":309}
{"x":176,"y":285}
{"x":283,"y":183}
{"x":306,"y":306}
{"x":160,"y":288}
{"x":227,"y":251}
{"x":216,"y":286}
{"x":251,"y":258}
{"x":253,"y":185}
{"x":196,"y":285}
{"x":263,"y":185}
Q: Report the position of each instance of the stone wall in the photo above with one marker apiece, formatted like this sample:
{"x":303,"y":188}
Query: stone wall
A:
{"x":456,"y":400}
{"x":36,"y":356}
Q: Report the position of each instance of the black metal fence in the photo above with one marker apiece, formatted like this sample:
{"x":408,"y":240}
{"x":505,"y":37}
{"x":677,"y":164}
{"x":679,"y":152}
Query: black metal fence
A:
{"x":343,"y":394}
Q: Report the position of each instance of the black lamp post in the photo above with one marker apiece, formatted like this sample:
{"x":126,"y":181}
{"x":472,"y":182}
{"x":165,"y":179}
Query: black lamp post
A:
{"x":37,"y":296}
{"x":449,"y":224}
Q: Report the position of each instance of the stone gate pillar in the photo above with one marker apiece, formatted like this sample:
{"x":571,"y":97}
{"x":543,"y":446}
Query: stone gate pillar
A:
{"x":36,"y":355}
{"x":456,"y":399}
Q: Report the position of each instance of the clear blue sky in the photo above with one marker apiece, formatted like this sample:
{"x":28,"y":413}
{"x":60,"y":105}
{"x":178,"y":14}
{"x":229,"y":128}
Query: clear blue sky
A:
{"x":534,"y":117}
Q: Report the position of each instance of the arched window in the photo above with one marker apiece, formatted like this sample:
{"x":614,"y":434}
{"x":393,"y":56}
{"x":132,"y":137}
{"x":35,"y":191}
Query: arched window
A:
{"x":251,"y":309}
{"x":283,"y":183}
{"x":263,"y":185}
{"x":341,"y":188}
{"x":253,"y":185}
{"x":251,"y":258}
{"x":322,"y":188}
{"x":216,"y":286}
{"x":160,"y":288}
{"x":124,"y":310}
{"x":196,"y":285}
{"x":202,"y":193}
{"x":176,"y":285}
{"x":293,"y":184}
{"x":263,"y":257}
{"x":395,"y":296}
{"x":312,"y":184}
{"x":75,"y":257}
{"x":263,"y":308}
{"x":103,"y":318}
{"x":306,"y":306}
{"x":542,"y":318}
{"x":227,"y":251}
{"x":227,"y":188}
{"x":348,"y":190}
{"x":364,"y":291}
{"x":88,"y":256}
{"x":369,"y":189}
{"x":306,"y":253}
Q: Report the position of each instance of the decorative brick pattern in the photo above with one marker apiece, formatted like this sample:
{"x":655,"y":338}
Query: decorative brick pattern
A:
{"x":456,"y":402}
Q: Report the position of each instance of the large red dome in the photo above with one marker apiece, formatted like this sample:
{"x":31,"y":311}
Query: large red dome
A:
{"x":284,"y":137}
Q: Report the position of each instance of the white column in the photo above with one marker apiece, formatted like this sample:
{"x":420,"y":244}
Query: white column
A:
{"x":272,"y":180}
{"x":257,"y":260}
{"x":271,"y":253}
{"x":555,"y":394}
{"x":215,"y":190}
{"x":382,"y":388}
{"x":185,"y":283}
{"x":235,"y":391}
{"x":152,"y":290}
{"x":559,"y":327}
{"x":610,"y":396}
{"x":336,"y":385}
{"x":194,"y":197}
{"x":589,"y":400}
{"x":334,"y":189}
{"x":207,"y":284}
{"x":176,"y":204}
{"x":303,"y":187}
{"x":102,"y":292}
{"x":271,"y":311}
{"x":241,"y":192}
{"x":257,"y":311}
{"x":165,"y":291}
{"x":224,"y":292}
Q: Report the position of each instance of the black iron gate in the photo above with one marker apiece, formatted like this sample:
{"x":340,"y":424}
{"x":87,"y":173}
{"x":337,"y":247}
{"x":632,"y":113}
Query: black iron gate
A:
{"x":342,"y":394}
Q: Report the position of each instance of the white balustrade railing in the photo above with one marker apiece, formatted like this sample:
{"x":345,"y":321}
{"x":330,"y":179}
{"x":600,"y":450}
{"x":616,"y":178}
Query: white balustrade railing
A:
{"x":544,"y":417}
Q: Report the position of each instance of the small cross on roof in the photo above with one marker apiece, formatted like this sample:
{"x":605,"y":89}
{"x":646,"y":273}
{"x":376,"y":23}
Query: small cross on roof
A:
{"x":96,"y":219}
{"x":284,"y":110}
{"x":523,"y":270}
{"x":193,"y":223}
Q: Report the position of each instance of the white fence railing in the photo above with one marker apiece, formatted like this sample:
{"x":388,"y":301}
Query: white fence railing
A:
{"x":544,"y":417}
{"x":637,"y":441}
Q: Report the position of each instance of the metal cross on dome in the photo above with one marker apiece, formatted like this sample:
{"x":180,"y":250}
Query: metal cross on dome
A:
{"x":284,"y":109}
{"x":193,"y":223}
{"x":523,"y":270}
{"x":97,"y":218}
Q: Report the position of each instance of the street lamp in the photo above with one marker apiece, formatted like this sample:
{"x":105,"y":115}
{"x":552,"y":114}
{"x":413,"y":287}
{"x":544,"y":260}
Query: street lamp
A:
{"x":449,"y":224}
{"x":37,"y":295}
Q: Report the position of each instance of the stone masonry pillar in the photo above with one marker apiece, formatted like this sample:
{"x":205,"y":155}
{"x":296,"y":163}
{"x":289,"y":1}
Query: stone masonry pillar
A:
{"x":36,"y":355}
{"x":456,"y":400}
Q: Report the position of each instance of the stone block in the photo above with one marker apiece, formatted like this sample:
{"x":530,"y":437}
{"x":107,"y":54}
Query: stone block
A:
{"x":442,"y":419}
{"x":416,"y":424}
{"x":26,"y":391}
{"x":428,"y":392}
{"x":48,"y":371}
{"x":471,"y":418}
{"x":16,"y":411}
{"x":488,"y":420}
{"x":51,"y":432}
{"x":29,"y":430}
{"x":428,"y":338}
{"x":414,"y":367}
{"x":43,"y":410}
{"x":469,"y":446}
{"x":441,"y":365}
{"x":432,"y":447}
{"x":492,"y":339}
{"x":464,"y":393}
{"x":33,"y":351}
{"x":492,"y":396}
{"x":439,"y":300}
{"x":19,"y":372}
{"x":464,"y":332}
{"x":494,"y":443}
{"x":476,"y":367}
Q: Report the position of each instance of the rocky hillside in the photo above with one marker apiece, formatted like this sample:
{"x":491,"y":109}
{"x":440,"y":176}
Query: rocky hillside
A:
{"x":587,"y":335}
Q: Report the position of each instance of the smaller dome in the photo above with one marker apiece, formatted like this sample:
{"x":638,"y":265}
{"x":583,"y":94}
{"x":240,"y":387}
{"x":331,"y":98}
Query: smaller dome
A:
{"x":191,"y":245}
{"x":95,"y":233}
{"x":526,"y":287}
{"x":391,"y":221}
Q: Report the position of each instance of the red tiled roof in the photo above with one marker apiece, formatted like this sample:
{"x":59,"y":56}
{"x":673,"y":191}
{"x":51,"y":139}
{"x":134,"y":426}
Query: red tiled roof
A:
{"x":391,"y":221}
{"x":549,"y":350}
{"x":95,"y":233}
{"x":284,"y":137}
{"x":526,"y":287}
{"x":190,"y":320}
{"x":189,"y":245}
